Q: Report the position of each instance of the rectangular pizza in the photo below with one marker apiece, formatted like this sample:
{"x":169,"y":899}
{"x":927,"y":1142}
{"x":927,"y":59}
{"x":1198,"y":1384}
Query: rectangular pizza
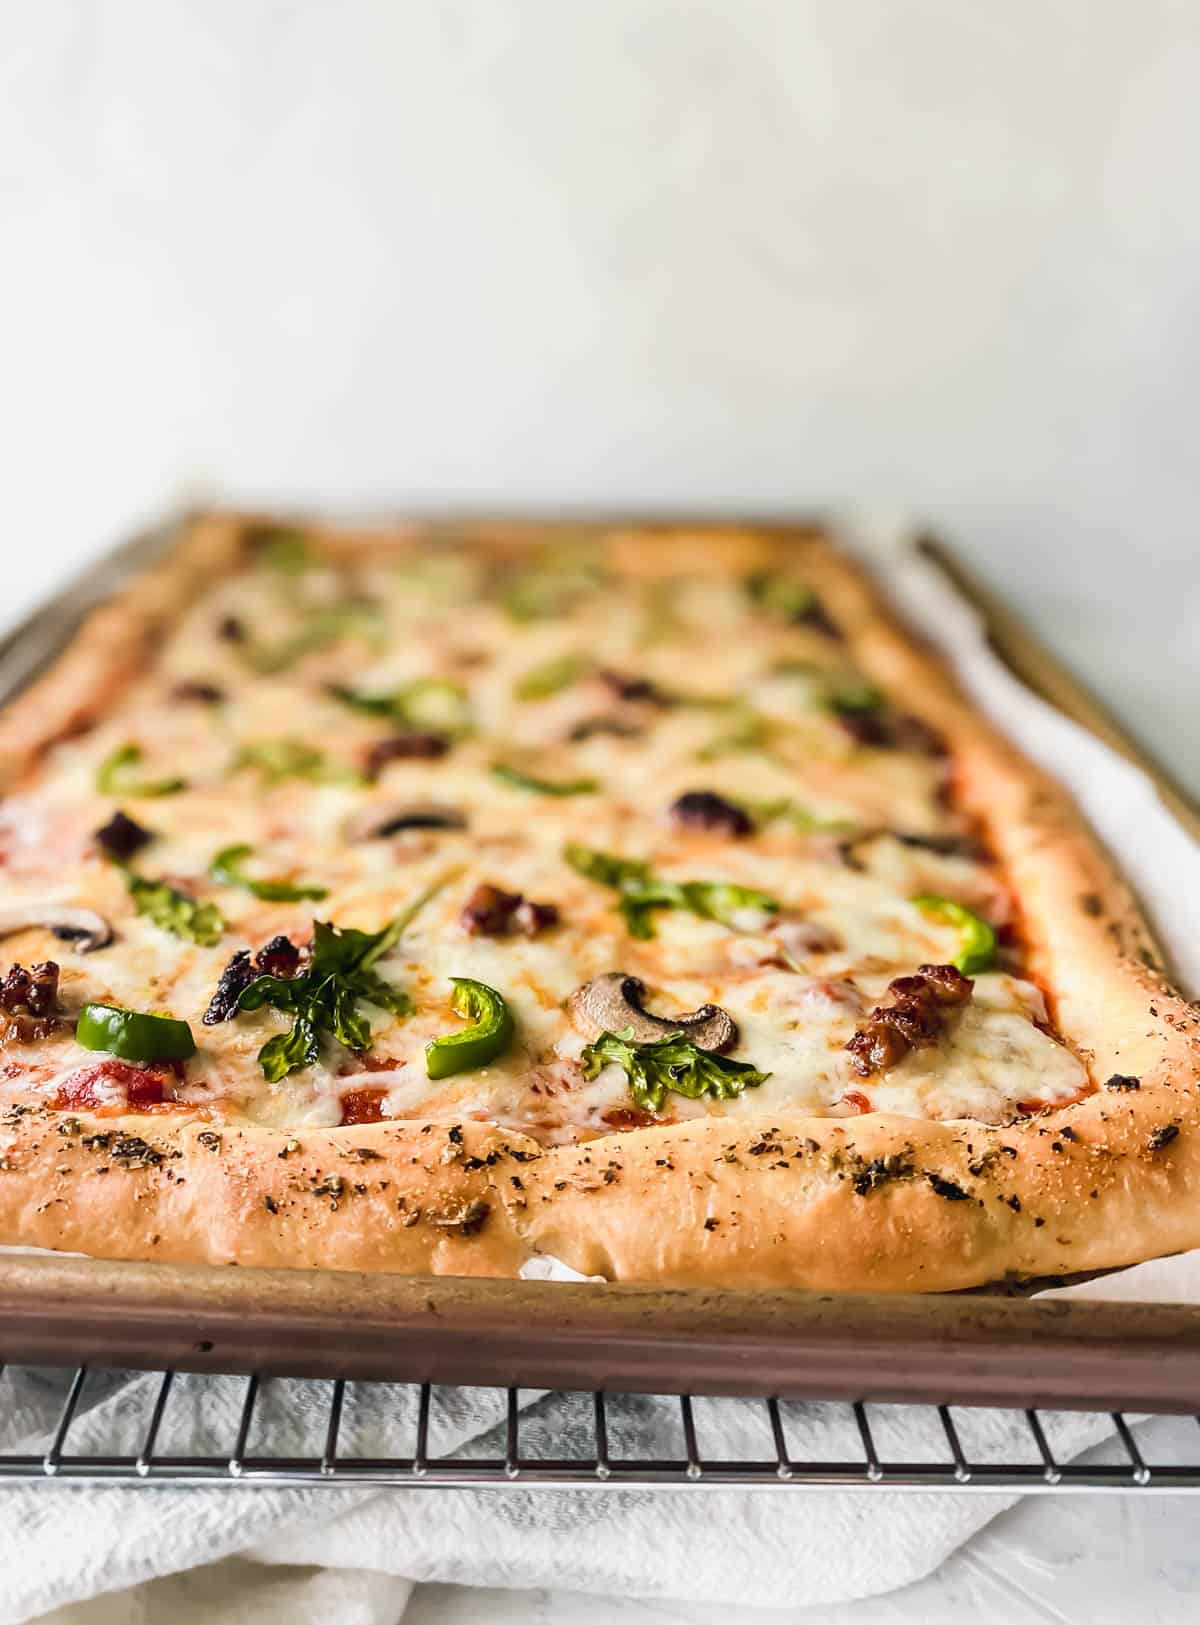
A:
{"x":441,"y":898}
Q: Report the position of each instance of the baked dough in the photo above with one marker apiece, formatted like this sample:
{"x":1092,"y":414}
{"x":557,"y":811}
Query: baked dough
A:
{"x":1046,"y":1125}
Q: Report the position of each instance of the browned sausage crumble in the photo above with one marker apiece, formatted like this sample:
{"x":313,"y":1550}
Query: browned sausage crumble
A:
{"x":919,"y":1009}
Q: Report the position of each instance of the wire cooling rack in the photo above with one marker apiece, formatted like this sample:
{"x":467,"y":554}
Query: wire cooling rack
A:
{"x":600,"y":1468}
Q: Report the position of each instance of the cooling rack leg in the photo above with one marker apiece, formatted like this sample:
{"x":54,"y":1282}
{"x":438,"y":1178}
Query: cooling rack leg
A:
{"x":600,"y":1413}
{"x":694,"y":1469}
{"x":874,"y":1467}
{"x":237,"y":1460}
{"x":146,"y":1455}
{"x":421,"y":1459}
{"x":961,"y":1471}
{"x":1141,"y":1473}
{"x":1051,"y":1470}
{"x":781,"y":1451}
{"x":53,"y":1457}
{"x":329,"y":1454}
{"x":512,"y":1440}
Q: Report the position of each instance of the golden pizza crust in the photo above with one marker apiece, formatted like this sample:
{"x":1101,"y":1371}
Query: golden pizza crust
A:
{"x":874,"y":1203}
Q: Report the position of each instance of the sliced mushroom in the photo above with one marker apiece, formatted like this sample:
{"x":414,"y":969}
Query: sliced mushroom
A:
{"x":612,"y":1004}
{"x":856,"y":852}
{"x":83,"y":926}
{"x":379,"y":819}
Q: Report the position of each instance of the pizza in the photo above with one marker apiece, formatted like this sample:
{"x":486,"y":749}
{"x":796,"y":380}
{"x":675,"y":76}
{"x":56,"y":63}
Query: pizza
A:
{"x":441,"y":898}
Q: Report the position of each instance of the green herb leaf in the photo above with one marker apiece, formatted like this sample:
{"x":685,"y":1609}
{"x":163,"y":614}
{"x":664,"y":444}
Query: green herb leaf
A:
{"x":751,"y":732}
{"x":722,"y":901}
{"x":325,"y":997}
{"x":638,"y":903}
{"x":781,"y":595}
{"x":520,"y":780}
{"x":859,"y":695}
{"x":227,"y":867}
{"x":282,"y":548}
{"x":434,"y":703}
{"x":640,"y":892}
{"x":278,"y":759}
{"x":540,"y":682}
{"x":174,"y":911}
{"x":553,"y":584}
{"x":705,"y":702}
{"x":792,"y":666}
{"x":319,"y":629}
{"x":661,"y":620}
{"x":377,"y":991}
{"x":809,"y":823}
{"x":117,"y":776}
{"x":290,"y":1051}
{"x":443,"y":578}
{"x":604,"y":869}
{"x":667,"y":1064}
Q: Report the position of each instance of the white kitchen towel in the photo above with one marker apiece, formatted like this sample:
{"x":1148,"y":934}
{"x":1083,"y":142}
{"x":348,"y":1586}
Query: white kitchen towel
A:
{"x":782,"y":1550}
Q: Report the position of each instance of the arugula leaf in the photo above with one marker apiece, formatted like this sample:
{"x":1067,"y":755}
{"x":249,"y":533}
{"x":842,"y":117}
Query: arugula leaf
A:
{"x":671,"y":1063}
{"x":174,"y":911}
{"x":116,"y":776}
{"x":792,"y":666}
{"x":227,"y":867}
{"x":278,"y":759}
{"x":722,"y":901}
{"x":289,"y":1051}
{"x":750,"y":732}
{"x":318,"y":630}
{"x":434,"y":703}
{"x":857,"y":695}
{"x":282,"y":548}
{"x":383,"y":993}
{"x":552,"y":584}
{"x":705,"y":702}
{"x":637,"y":905}
{"x":324,"y":998}
{"x":661,"y":619}
{"x":640,"y":892}
{"x":520,"y":780}
{"x":443,"y":578}
{"x":540,"y":682}
{"x":809,"y":823}
{"x":603,"y":868}
{"x":780,"y":594}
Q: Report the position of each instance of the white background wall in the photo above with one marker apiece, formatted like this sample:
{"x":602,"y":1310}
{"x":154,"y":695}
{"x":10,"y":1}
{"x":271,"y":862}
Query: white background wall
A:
{"x":934,"y":254}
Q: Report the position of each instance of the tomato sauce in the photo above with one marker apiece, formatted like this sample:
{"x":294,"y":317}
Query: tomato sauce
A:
{"x":363,"y":1106}
{"x":115,"y":1085}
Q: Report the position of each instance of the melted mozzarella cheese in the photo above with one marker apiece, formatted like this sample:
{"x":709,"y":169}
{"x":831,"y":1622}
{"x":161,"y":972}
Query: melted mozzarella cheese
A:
{"x":736,"y":725}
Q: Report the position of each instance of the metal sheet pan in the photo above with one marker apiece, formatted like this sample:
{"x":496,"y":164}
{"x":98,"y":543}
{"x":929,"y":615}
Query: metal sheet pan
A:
{"x":969,"y":1348}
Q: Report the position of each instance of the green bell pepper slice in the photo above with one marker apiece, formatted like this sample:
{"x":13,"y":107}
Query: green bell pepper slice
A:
{"x":487,"y":1038}
{"x":134,"y":1035}
{"x":517,"y":779}
{"x":228,"y":868}
{"x":977,"y":940}
{"x":117,"y":775}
